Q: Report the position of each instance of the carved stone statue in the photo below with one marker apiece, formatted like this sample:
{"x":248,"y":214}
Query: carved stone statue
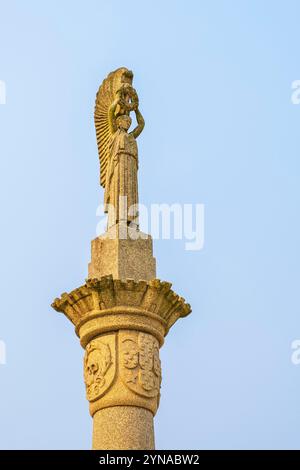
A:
{"x":117,"y":147}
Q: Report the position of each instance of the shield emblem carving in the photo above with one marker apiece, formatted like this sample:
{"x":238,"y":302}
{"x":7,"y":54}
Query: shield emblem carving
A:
{"x":140,"y":367}
{"x":99,"y":366}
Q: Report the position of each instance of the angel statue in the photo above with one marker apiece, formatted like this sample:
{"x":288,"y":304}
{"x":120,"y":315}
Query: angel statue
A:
{"x":117,"y":147}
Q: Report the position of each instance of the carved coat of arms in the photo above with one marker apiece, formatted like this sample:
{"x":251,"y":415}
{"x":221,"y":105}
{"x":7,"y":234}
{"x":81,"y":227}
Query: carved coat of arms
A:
{"x":140,"y":367}
{"x":99,"y":366}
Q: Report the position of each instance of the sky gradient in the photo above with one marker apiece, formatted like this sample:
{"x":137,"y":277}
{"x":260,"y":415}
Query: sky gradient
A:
{"x":214,"y":80}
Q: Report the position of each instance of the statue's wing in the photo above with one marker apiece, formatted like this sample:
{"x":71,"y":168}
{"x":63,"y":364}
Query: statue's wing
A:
{"x":104,"y":98}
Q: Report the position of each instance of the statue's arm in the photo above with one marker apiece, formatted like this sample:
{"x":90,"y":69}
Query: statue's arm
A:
{"x":140,"y":124}
{"x":111,"y":116}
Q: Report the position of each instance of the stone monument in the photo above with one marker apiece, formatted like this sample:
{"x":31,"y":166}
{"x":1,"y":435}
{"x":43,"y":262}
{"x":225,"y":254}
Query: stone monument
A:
{"x":122,"y":313}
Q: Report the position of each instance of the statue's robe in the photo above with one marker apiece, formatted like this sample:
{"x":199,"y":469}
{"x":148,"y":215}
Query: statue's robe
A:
{"x":121,"y":187}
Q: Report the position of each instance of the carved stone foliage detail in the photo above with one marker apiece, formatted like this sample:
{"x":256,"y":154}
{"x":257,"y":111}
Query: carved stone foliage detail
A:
{"x":139,"y":363}
{"x":99,"y":366}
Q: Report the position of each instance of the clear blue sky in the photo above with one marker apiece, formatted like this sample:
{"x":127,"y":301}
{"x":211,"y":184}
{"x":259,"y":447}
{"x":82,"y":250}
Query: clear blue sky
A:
{"x":214,"y":79}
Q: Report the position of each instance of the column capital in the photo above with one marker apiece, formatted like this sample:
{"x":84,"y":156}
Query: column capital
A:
{"x":107,"y":304}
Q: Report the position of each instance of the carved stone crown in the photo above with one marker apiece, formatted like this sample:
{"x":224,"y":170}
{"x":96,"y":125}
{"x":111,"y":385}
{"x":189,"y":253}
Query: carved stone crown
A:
{"x":106,"y":304}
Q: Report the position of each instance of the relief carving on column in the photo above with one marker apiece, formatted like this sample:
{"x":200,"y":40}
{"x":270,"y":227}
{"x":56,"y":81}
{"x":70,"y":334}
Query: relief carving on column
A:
{"x":99,"y":366}
{"x":140,"y":367}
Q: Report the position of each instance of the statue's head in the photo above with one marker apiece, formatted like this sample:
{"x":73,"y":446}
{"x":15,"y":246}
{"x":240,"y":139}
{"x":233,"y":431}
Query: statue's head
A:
{"x":123,"y":122}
